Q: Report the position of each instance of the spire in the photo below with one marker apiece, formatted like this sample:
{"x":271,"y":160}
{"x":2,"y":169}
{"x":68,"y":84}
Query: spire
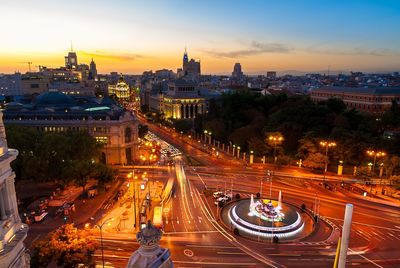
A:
{"x":185,"y":57}
{"x":71,"y":47}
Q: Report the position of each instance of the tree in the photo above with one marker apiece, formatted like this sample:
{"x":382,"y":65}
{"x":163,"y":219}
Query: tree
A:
{"x":314,"y":161}
{"x":68,"y":246}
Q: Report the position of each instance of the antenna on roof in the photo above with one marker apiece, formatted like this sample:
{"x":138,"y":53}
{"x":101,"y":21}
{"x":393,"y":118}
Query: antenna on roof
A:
{"x":71,"y":47}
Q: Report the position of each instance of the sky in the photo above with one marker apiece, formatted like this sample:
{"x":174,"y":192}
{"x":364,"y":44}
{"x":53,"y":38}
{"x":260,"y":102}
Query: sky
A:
{"x":263,"y":35}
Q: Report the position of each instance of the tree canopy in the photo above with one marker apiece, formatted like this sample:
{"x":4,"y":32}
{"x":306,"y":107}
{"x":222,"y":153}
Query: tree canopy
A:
{"x":67,"y":246}
{"x":63,"y":157}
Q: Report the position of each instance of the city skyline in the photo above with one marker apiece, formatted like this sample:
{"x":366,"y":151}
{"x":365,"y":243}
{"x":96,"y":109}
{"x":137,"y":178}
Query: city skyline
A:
{"x":288,"y":37}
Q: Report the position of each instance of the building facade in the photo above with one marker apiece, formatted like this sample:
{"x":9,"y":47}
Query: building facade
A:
{"x":372,"y":100}
{"x":10,"y":84}
{"x":182,"y":100}
{"x":121,"y":90}
{"x":12,"y":230}
{"x":190,"y":68}
{"x":104,"y":119}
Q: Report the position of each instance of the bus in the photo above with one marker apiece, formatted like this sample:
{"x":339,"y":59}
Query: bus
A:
{"x":157,"y":217}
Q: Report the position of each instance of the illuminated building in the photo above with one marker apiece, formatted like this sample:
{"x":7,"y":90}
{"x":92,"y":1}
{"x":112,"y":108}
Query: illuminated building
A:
{"x":12,"y":231}
{"x":182,"y":100}
{"x":104,"y":119}
{"x":121,"y":89}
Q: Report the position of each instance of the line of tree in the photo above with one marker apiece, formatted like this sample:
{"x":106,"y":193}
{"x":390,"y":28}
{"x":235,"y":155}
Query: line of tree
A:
{"x":63,"y":157}
{"x":245,"y":119}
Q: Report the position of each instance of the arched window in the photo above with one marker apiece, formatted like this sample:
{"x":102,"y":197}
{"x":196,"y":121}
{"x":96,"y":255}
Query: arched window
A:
{"x":128,"y":135}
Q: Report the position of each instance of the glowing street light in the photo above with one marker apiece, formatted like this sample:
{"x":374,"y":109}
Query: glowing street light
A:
{"x":275,"y":139}
{"x":100,"y":226}
{"x":327,"y":145}
{"x":375,"y":155}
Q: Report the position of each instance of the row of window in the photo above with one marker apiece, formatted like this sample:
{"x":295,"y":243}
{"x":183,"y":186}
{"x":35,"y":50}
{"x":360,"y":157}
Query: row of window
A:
{"x":357,"y":97}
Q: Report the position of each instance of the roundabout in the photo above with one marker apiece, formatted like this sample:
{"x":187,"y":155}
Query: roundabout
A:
{"x":266,"y":218}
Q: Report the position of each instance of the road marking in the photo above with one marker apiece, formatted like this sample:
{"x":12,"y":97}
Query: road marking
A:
{"x":365,"y":258}
{"x":366,"y":224}
{"x":231,"y":253}
{"x":240,"y":264}
{"x":189,"y":232}
{"x":188,"y":252}
{"x":206,"y":246}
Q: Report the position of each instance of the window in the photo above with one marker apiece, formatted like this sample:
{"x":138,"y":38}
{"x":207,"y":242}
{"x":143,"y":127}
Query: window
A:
{"x":102,"y":139}
{"x":128,"y":135}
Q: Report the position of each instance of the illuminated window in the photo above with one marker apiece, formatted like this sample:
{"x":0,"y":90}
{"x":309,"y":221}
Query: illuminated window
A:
{"x":102,"y":140}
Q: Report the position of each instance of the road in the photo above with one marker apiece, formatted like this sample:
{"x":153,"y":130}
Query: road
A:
{"x":197,"y":239}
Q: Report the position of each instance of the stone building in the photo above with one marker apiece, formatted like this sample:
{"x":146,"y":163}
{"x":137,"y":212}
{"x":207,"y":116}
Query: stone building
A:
{"x":12,"y":230}
{"x":372,"y":100}
{"x":104,"y":119}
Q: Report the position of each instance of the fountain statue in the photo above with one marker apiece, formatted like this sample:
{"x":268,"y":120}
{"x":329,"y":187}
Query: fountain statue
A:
{"x":150,"y":254}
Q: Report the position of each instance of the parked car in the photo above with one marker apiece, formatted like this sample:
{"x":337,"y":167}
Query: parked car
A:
{"x":218,"y":194}
{"x":222,"y":199}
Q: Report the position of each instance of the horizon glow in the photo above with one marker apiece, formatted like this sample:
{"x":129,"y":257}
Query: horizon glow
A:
{"x":135,"y":36}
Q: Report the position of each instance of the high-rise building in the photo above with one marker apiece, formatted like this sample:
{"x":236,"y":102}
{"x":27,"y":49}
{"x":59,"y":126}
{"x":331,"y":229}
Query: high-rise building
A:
{"x":237,"y":78}
{"x":12,"y":230}
{"x":237,"y":71}
{"x":71,"y":60}
{"x":271,"y":75}
{"x":191,"y":68}
{"x":92,"y":70}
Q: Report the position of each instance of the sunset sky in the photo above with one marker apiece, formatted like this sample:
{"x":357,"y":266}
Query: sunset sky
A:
{"x":134,"y":36}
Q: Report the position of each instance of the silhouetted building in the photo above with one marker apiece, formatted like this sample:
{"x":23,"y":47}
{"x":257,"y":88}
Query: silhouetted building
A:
{"x":92,"y":70}
{"x":191,"y":68}
{"x":71,"y":60}
{"x":271,"y":75}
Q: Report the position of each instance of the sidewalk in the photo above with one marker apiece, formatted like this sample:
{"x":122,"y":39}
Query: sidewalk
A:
{"x":122,"y":212}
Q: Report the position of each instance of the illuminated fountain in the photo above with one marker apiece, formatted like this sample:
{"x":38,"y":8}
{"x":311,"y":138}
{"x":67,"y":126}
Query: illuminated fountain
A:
{"x":264,"y":218}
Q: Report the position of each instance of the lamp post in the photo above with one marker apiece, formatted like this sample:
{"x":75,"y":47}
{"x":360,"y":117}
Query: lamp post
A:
{"x":326,"y":144}
{"x":100,"y":226}
{"x":238,"y":152}
{"x":132,"y":175}
{"x":275,"y":139}
{"x":375,"y":155}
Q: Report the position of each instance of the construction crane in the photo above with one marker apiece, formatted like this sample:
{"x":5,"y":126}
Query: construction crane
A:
{"x":29,"y":64}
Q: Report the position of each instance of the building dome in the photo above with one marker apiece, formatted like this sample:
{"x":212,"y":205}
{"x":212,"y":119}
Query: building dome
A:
{"x":53,"y":98}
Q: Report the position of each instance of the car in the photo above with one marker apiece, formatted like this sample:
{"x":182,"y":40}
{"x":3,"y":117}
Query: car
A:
{"x":222,"y":199}
{"x":218,"y":194}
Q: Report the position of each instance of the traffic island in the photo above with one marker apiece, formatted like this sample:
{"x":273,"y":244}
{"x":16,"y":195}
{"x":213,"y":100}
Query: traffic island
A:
{"x":267,"y":220}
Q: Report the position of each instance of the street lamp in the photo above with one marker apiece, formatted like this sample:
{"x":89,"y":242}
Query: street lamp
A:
{"x":134,"y":178}
{"x":100,"y":226}
{"x":375,"y":155}
{"x":275,"y":139}
{"x":326,"y":144}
